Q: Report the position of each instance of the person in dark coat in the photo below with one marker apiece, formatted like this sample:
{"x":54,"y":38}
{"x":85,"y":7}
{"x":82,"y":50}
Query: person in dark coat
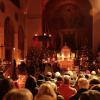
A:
{"x":83,"y":85}
{"x":31,"y":84}
{"x":90,"y":95}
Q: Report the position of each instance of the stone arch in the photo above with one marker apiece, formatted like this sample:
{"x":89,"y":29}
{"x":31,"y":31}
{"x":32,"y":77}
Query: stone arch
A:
{"x":71,"y":20}
{"x":9,"y":38}
{"x":21,"y":40}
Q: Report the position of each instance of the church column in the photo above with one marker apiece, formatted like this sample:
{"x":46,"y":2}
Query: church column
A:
{"x":16,"y":52}
{"x":2,"y":47}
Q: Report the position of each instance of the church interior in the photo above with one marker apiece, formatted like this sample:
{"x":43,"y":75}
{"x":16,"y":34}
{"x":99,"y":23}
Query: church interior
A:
{"x":28,"y":26}
{"x":49,"y":49}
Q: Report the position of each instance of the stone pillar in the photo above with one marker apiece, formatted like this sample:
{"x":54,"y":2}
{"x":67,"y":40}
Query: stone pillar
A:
{"x":2,"y":47}
{"x":16,"y":51}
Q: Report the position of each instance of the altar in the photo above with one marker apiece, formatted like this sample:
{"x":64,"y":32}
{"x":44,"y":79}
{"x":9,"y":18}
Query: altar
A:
{"x":66,"y":58}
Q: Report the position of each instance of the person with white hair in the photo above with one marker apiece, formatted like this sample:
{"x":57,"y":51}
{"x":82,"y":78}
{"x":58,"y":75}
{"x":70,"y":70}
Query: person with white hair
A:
{"x":46,"y":92}
{"x":57,"y":74}
{"x":93,"y":72}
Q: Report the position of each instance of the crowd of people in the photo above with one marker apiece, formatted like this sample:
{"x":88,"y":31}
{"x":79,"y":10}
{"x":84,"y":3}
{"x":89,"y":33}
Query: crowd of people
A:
{"x":28,"y":81}
{"x":69,"y":85}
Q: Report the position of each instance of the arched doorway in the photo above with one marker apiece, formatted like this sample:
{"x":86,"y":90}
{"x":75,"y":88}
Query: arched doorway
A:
{"x":70,"y":20}
{"x":8,"y":38}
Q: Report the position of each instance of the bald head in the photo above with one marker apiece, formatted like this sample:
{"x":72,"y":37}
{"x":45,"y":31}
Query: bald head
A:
{"x":83,"y":83}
